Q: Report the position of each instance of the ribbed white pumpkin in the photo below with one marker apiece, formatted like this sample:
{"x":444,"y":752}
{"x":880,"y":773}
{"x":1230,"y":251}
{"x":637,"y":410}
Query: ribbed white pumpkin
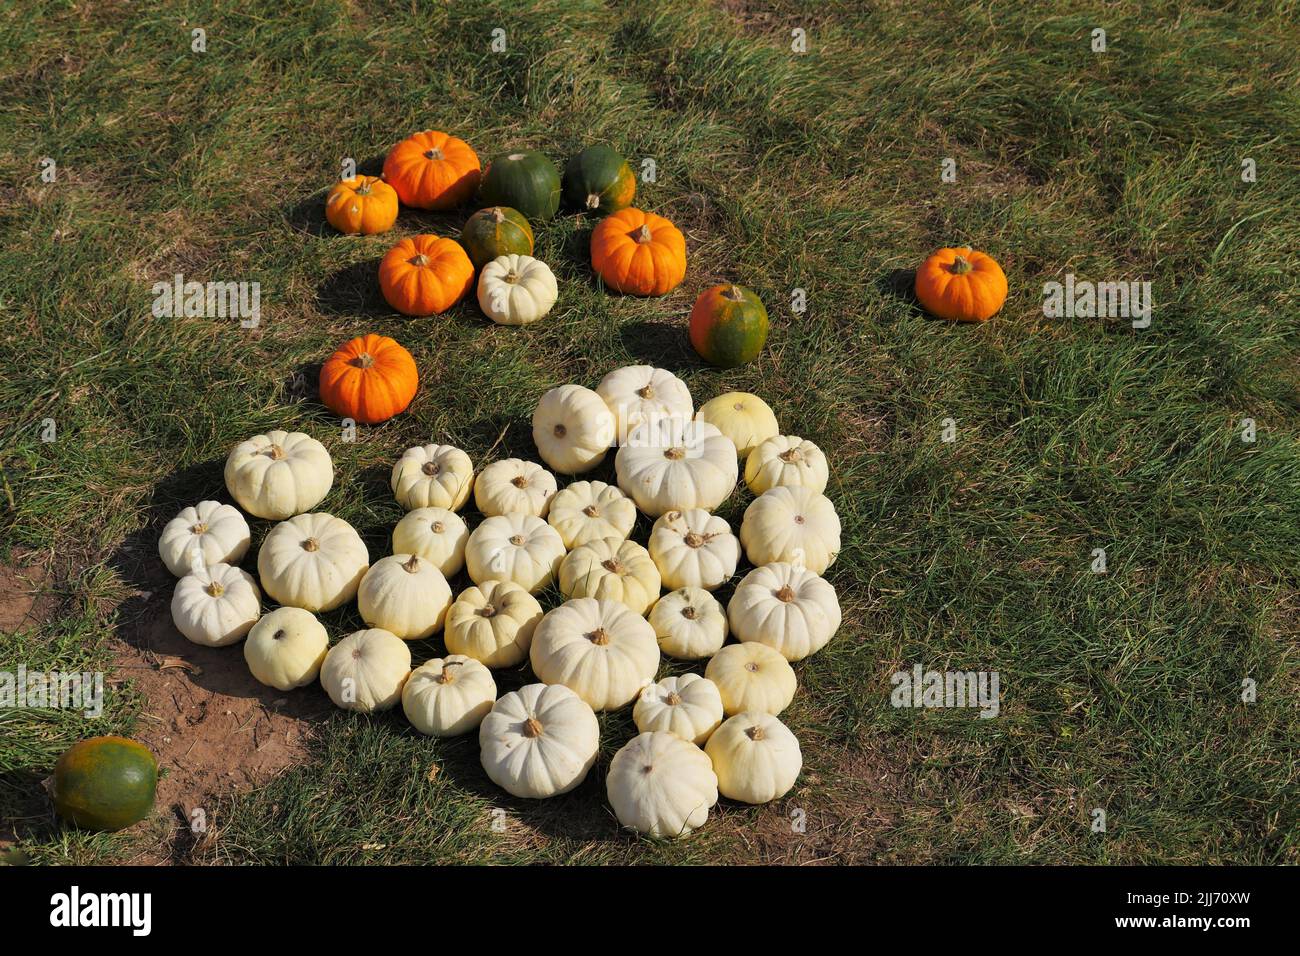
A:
{"x":216,"y":605}
{"x":313,"y":561}
{"x":493,"y":623}
{"x":514,"y":547}
{"x":432,"y":476}
{"x":366,"y":671}
{"x":640,"y":393}
{"x":219,"y":533}
{"x":752,"y":676}
{"x":514,"y":486}
{"x":744,"y":418}
{"x":406,"y":595}
{"x":786,"y":461}
{"x":601,"y":650}
{"x":539,"y":741}
{"x":796,"y":525}
{"x":755,"y":756}
{"x":789,"y":609}
{"x":613,"y":569}
{"x":694,"y":549}
{"x":448,"y":696}
{"x":689,"y":706}
{"x":436,"y":534}
{"x":689,"y":624}
{"x":590,"y":510}
{"x":516,"y":290}
{"x":661,"y":786}
{"x":672,"y":464}
{"x":572,"y":428}
{"x":285,"y":648}
{"x":279,"y":474}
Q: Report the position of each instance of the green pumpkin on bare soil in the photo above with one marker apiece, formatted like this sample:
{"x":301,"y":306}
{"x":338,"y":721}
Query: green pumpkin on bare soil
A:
{"x":105,"y":783}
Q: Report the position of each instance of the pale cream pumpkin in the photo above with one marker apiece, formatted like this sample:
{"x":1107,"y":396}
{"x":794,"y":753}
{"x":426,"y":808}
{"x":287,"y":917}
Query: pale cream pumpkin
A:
{"x":285,"y":648}
{"x":432,"y":476}
{"x":796,"y":525}
{"x":786,"y":461}
{"x":752,"y":676}
{"x":613,"y":569}
{"x":790,"y":609}
{"x":279,"y":474}
{"x":218,"y":532}
{"x":755,"y":756}
{"x":448,"y":696}
{"x":516,"y":290}
{"x":689,"y":624}
{"x":672,"y":464}
{"x":587,"y":511}
{"x":514,"y":547}
{"x":661,"y":786}
{"x":694,"y":549}
{"x":436,"y":534}
{"x":366,"y":671}
{"x":514,"y":486}
{"x":572,"y":428}
{"x":539,"y":741}
{"x":216,"y":605}
{"x":744,"y":418}
{"x":602,"y":650}
{"x":641,"y":393}
{"x":689,"y":706}
{"x":406,"y":595}
{"x":493,"y":623}
{"x":312,"y":561}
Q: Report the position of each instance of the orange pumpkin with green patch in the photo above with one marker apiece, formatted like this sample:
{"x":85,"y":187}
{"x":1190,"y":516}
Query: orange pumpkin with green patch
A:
{"x":105,"y":783}
{"x":728,"y":325}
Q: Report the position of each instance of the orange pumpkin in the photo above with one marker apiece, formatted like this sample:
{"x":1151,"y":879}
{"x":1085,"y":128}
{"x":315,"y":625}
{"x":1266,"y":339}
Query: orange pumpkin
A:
{"x":638,"y":252}
{"x":962,"y":285}
{"x":424,"y":275}
{"x":432,"y":170}
{"x":369,"y":380}
{"x":362,"y":205}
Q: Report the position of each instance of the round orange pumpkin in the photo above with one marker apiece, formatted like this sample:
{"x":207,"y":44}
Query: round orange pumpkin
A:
{"x":369,"y":380}
{"x":425,"y":275}
{"x":638,"y":252}
{"x":362,"y":205}
{"x":962,"y":285}
{"x":432,"y":170}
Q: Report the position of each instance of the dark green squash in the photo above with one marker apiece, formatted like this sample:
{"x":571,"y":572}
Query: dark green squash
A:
{"x":523,"y":180}
{"x":105,"y":783}
{"x":599,"y":181}
{"x":496,"y":231}
{"x":728,"y":325}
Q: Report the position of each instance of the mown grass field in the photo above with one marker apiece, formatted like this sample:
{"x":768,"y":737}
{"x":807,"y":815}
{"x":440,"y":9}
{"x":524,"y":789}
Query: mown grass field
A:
{"x":821,"y":171}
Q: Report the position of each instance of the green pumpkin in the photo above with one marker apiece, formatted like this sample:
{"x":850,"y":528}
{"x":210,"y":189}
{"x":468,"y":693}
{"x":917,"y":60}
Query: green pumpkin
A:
{"x":498,"y":231}
{"x":728,"y":325}
{"x":599,"y":180}
{"x":524,"y":180}
{"x":105,"y":783}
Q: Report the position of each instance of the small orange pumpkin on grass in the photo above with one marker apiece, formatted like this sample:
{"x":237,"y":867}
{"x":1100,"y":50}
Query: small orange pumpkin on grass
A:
{"x":638,"y":252}
{"x":425,"y":275}
{"x":432,"y":170}
{"x":962,"y":285}
{"x":369,"y":379}
{"x":361,"y":206}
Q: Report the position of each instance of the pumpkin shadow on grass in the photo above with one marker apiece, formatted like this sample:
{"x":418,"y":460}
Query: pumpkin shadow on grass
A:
{"x":662,"y":343}
{"x":354,"y":290}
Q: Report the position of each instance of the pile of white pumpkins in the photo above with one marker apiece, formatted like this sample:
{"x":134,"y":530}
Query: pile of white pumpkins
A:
{"x":600,"y":649}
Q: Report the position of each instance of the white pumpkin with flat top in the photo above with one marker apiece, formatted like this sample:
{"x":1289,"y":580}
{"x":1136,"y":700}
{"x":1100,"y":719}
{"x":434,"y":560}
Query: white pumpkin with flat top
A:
{"x":613,"y":569}
{"x":689,"y":624}
{"x":405,"y":594}
{"x":572,"y":428}
{"x":313,"y":561}
{"x":694,"y":549}
{"x":539,"y":741}
{"x":674,"y":464}
{"x":448,"y":696}
{"x":279,"y":474}
{"x":752,"y":676}
{"x":514,"y":486}
{"x":437,"y":534}
{"x":514,"y":547}
{"x":601,"y":650}
{"x":637,"y":394}
{"x":216,"y":605}
{"x":793,"y":525}
{"x":586,"y":511}
{"x":516,"y":289}
{"x":786,"y":461}
{"x":661,"y":786}
{"x":432,"y":476}
{"x":366,"y":671}
{"x":493,"y":623}
{"x":286,"y":647}
{"x":219,"y":533}
{"x":790,"y":609}
{"x":756,"y":757}
{"x":689,"y":706}
{"x":744,"y":418}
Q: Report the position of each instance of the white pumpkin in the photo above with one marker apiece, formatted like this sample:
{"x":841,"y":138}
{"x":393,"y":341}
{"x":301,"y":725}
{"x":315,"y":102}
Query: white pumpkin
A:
{"x":285,"y":648}
{"x":514,"y":486}
{"x":572,"y":429}
{"x":689,"y":624}
{"x":790,"y":609}
{"x":279,"y":474}
{"x":516,"y":290}
{"x":744,"y":418}
{"x":219,"y":533}
{"x":366,"y":671}
{"x":312,"y":561}
{"x":752,"y":676}
{"x":539,"y":741}
{"x":642,"y":393}
{"x":755,"y":756}
{"x":672,"y":464}
{"x":514,"y":547}
{"x":493,"y":623}
{"x":406,"y":595}
{"x":796,"y":525}
{"x":694,"y":549}
{"x":601,"y":650}
{"x":216,"y":605}
{"x":688,"y":706}
{"x":661,"y":786}
{"x":590,"y":510}
{"x":432,"y":476}
{"x":614,"y":569}
{"x":436,"y":534}
{"x":448,"y":696}
{"x":786,"y":461}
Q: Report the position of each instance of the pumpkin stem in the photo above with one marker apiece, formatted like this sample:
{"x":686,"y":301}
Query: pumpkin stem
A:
{"x":688,"y":613}
{"x":364,"y":360}
{"x":512,"y":277}
{"x":517,"y":540}
{"x":200,"y":528}
{"x":363,"y":189}
{"x":960,"y":266}
{"x":215,"y":589}
{"x":519,"y":481}
{"x":560,"y":431}
{"x":754,"y":733}
{"x":487,"y":610}
{"x":673,"y":699}
{"x":733,"y":293}
{"x":599,"y":637}
{"x":430,"y":468}
{"x":591,"y":511}
{"x":438,"y":527}
{"x":498,"y":215}
{"x":433,"y":154}
{"x":278,"y":635}
{"x":446,"y":677}
{"x":275,"y":452}
{"x":515,"y":157}
{"x":411,"y":564}
{"x":643,"y":234}
{"x":646,"y":391}
{"x":311,"y":544}
{"x":532,"y":727}
{"x":693,"y":540}
{"x":420,"y":260}
{"x":675,"y":454}
{"x":785,"y":594}
{"x":614,"y":565}
{"x":593,"y":201}
{"x":791,"y":455}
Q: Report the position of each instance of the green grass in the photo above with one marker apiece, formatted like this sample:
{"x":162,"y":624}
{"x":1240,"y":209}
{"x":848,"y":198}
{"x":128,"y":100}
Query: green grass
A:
{"x":818,"y":171}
